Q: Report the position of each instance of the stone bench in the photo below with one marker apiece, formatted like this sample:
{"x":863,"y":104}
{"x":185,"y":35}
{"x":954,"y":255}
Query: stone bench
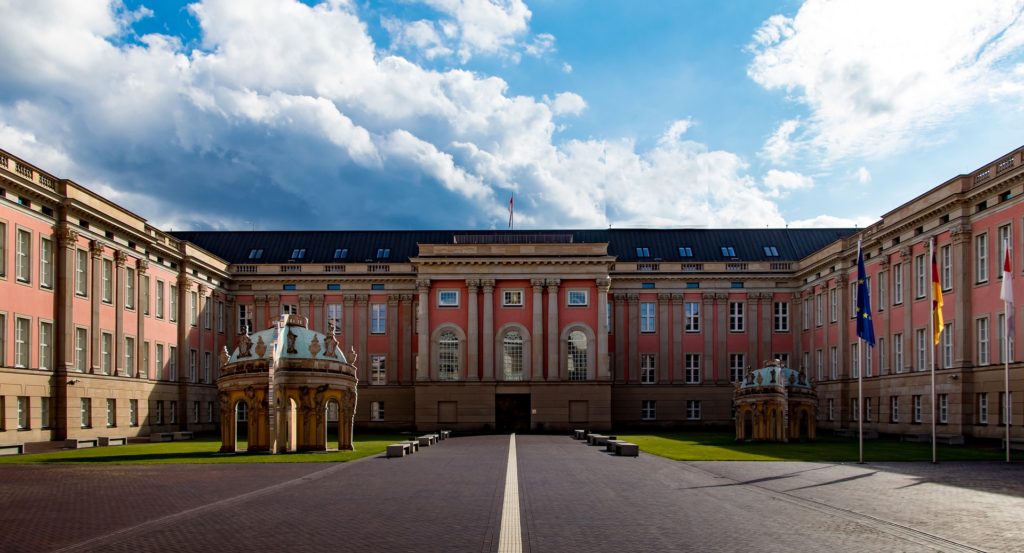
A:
{"x":185,"y":435}
{"x":79,"y":443}
{"x":427,"y":440}
{"x":12,"y":449}
{"x":444,"y":434}
{"x":592,"y":437}
{"x":161,"y":437}
{"x":600,"y":439}
{"x":610,"y":445}
{"x":107,"y":441}
{"x":579,"y":434}
{"x":627,"y":449}
{"x":398,"y":450}
{"x":414,"y":445}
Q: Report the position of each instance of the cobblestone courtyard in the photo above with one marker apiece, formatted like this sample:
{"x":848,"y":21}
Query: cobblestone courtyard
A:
{"x":572,"y":497}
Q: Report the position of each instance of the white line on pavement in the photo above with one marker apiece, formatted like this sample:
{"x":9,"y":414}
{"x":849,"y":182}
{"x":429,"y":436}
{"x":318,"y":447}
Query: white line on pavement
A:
{"x":510,"y":539}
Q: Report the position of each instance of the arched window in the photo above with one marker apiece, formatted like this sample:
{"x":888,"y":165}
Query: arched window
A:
{"x":448,"y":356}
{"x":577,"y":355}
{"x":513,"y":356}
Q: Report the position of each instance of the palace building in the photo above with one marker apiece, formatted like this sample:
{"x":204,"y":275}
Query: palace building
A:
{"x":112,"y":327}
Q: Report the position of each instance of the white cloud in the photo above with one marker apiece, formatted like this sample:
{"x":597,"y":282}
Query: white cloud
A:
{"x":829,"y":221}
{"x":780,"y":183}
{"x":567,"y":103}
{"x":489,"y":27}
{"x":421,"y":35}
{"x":676,"y":130}
{"x":566,"y":68}
{"x":879,"y":76}
{"x":779,"y":146}
{"x":863,"y":175}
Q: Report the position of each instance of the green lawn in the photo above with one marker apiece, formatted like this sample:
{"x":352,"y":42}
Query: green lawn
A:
{"x":203,"y":450}
{"x":695,"y":446}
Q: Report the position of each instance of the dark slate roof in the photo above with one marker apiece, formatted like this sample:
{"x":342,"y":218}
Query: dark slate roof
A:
{"x":662,"y":244}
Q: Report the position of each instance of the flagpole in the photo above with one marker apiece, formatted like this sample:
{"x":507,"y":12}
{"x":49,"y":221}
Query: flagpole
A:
{"x":1007,"y":285}
{"x":931,"y":326}
{"x":860,"y":372}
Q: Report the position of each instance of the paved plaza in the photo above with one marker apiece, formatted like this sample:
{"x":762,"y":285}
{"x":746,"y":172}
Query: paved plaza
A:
{"x":572,"y":497}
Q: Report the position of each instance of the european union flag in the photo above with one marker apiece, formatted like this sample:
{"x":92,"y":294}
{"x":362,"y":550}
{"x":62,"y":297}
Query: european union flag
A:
{"x":865,"y":326}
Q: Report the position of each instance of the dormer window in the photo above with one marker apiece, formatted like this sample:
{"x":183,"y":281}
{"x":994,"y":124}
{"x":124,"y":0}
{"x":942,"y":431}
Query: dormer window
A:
{"x":341,"y":253}
{"x":685,"y":251}
{"x":298,"y":253}
{"x":643,"y":252}
{"x":771,"y":251}
{"x":728,"y":251}
{"x":383,"y":253}
{"x":256,"y":253}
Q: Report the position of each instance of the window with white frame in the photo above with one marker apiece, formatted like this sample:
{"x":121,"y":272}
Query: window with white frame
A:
{"x":868,"y":368}
{"x":608,"y":318}
{"x":981,"y":335}
{"x":45,"y":262}
{"x":806,"y":314}
{"x":576,"y":356}
{"x":833,"y":360}
{"x":158,"y":412}
{"x":376,"y":411}
{"x":853,"y":298}
{"x":897,"y":284}
{"x":854,"y":360}
{"x":22,"y":342}
{"x":107,"y":282}
{"x":144,"y":293}
{"x":205,"y":312}
{"x":81,"y":348}
{"x":289,"y":309}
{"x":448,"y":356}
{"x":982,"y":408}
{"x":45,"y":345}
{"x":3,"y":252}
{"x":86,"y":412}
{"x":920,"y":277}
{"x":883,"y":356}
{"x":448,"y":298}
{"x":894,"y":408}
{"x":1001,"y":338}
{"x":220,"y":316}
{"x":819,"y":309}
{"x":691,"y":368}
{"x":737,"y":364}
{"x":23,"y":256}
{"x":244,"y":318}
{"x":378,"y":318}
{"x":81,"y":273}
{"x":854,"y":409}
{"x":144,"y":362}
{"x":512,"y":355}
{"x":647,"y":320}
{"x":833,"y":305}
{"x":23,"y":413}
{"x":172,"y":363}
{"x":647,"y":368}
{"x":867,"y":409}
{"x":512,"y":298}
{"x":946,"y":267}
{"x":172,"y":303}
{"x":946,"y":346}
{"x":129,"y":288}
{"x":159,"y":361}
{"x":882,"y":276}
{"x":45,"y":412}
{"x":159,"y":299}
{"x":209,"y":412}
{"x":736,"y":322}
{"x":897,"y":352}
{"x":107,"y":353}
{"x":805,"y":361}
{"x":207,"y":367}
{"x":830,"y":409}
{"x":819,"y":364}
{"x":378,"y":369}
{"x":334,"y":311}
{"x":193,"y":365}
{"x":172,"y":412}
{"x":943,"y":408}
{"x":1005,"y":407}
{"x":129,"y":356}
{"x":921,"y":359}
{"x":195,"y":412}
{"x":782,"y":358}
{"x":981,"y":258}
{"x":781,"y":316}
{"x":648,"y":410}
{"x":693,"y":409}
{"x":1002,"y":238}
{"x":691,"y":310}
{"x":111,"y":412}
{"x":916,"y":408}
{"x":575,"y":298}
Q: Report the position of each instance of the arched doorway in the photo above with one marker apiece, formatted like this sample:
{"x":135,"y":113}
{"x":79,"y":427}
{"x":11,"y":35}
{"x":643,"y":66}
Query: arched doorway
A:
{"x":331,"y":426}
{"x":804,"y":426}
{"x":241,"y":426}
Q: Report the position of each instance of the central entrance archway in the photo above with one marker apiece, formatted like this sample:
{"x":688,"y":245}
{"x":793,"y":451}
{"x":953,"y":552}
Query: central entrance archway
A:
{"x":512,"y":412}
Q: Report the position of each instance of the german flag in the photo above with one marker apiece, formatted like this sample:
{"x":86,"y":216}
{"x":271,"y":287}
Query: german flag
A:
{"x":936,"y":300}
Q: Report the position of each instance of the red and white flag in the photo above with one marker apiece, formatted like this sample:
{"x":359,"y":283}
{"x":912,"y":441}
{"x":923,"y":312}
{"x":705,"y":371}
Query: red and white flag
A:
{"x":1006,"y":293}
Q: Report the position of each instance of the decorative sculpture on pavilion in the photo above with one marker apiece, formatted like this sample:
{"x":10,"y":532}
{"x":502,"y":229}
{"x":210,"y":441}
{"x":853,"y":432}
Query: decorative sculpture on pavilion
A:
{"x":775,"y":403}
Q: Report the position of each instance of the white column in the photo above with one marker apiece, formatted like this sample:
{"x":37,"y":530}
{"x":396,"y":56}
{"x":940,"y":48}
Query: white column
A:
{"x":553,"y":370}
{"x":423,"y":327}
{"x":537,"y":337}
{"x":488,"y":286}
{"x":603,"y":285}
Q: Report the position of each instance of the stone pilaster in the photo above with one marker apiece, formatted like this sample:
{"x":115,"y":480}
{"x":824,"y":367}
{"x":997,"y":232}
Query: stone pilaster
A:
{"x":909,"y":340}
{"x":118,"y":350}
{"x":392,"y":359}
{"x":473,"y":333}
{"x":259,"y":317}
{"x":362,"y":310}
{"x":621,"y":369}
{"x":304,"y":301}
{"x":202,"y":304}
{"x":553,"y":371}
{"x":423,"y":370}
{"x":318,"y":312}
{"x":604,"y":284}
{"x":142,"y":354}
{"x":64,"y":360}
{"x":488,"y":324}
{"x":676,"y":370}
{"x":405,"y":360}
{"x":537,"y":331}
{"x":721,"y":310}
{"x":664,"y":374}
{"x":963,"y":327}
{"x":633,"y":321}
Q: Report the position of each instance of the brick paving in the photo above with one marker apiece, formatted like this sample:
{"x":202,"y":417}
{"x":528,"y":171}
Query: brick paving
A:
{"x":448,"y":497}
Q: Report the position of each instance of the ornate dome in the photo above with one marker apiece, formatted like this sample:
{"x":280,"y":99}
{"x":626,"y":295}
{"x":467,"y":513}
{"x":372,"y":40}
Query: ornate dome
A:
{"x":297,"y":342}
{"x":775,"y":374}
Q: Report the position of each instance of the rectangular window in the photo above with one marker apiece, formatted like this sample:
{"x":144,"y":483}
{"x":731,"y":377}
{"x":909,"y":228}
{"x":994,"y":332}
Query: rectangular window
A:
{"x":107,"y":290}
{"x":86,"y":412}
{"x":172,"y":363}
{"x":819,"y":364}
{"x":172,"y":412}
{"x":894,"y":408}
{"x":81,"y":273}
{"x":921,"y":342}
{"x":807,"y":314}
{"x":946,"y":267}
{"x":819,"y":309}
{"x":159,"y":299}
{"x":854,"y":360}
{"x":647,"y":368}
{"x":648,"y":410}
{"x":340,"y":253}
{"x":736,"y":323}
{"x":244,"y":319}
{"x":691,"y":366}
{"x":448,"y":298}
{"x":831,"y":410}
{"x":376,"y":410}
{"x":576,"y":298}
{"x":193,"y":307}
{"x":868,"y":368}
{"x":158,"y":413}
{"x":129,"y":356}
{"x":144,"y":362}
{"x":693,"y":409}
{"x":917,"y":408}
{"x":647,"y":317}
{"x":209,"y":411}
{"x":3,"y":253}
{"x":111,"y":413}
{"x":867,"y":409}
{"x":946,"y":346}
{"x":737,"y":363}
{"x":207,"y":367}
{"x":45,"y":345}
{"x":897,"y":352}
{"x":920,"y":277}
{"x":45,"y":412}
{"x":692,"y":314}
{"x":728,"y":251}
{"x":833,"y":360}
{"x":23,"y":256}
{"x":23,"y":413}
{"x":81,"y":348}
{"x":943,"y":408}
{"x":107,"y":352}
{"x":981,"y":258}
{"x":608,"y":318}
{"x":882,"y":276}
{"x":981,"y":333}
{"x":805,"y":362}
{"x":1005,"y":407}
{"x":206,"y":313}
{"x":897,"y":284}
{"x":46,"y":262}
{"x":1002,"y":239}
{"x":378,"y":369}
{"x":172,"y":301}
{"x":193,"y":365}
{"x":854,"y":409}
{"x":221,"y":314}
{"x":833,"y":305}
{"x":22,"y":342}
{"x":781,"y":316}
{"x":195,"y":412}
{"x":982,"y":408}
{"x":333,"y":317}
{"x":378,"y":318}
{"x":133,"y":412}
{"x":144,"y":293}
{"x":289,"y":309}
{"x":512,"y":298}
{"x":129,"y":288}
{"x":159,"y":361}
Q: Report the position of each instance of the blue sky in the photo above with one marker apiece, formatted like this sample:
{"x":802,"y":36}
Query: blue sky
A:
{"x":352,"y":114}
